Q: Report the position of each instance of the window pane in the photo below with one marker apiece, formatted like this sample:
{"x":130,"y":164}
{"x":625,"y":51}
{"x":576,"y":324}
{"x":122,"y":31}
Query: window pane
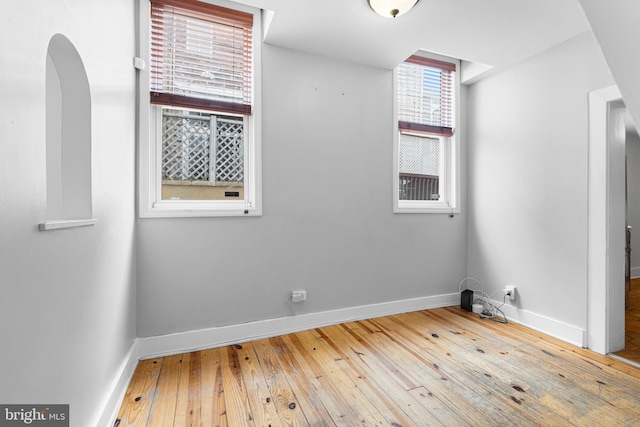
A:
{"x":200,"y":53}
{"x":202,"y":156}
{"x":419,"y":160}
{"x":425,"y":95}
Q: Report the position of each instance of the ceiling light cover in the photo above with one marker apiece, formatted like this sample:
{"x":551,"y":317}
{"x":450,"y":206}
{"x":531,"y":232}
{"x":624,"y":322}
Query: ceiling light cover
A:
{"x":391,"y":8}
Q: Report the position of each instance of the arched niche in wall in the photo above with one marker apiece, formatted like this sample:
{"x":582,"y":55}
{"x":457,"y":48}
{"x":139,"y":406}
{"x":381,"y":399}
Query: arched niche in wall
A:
{"x":68,"y":137}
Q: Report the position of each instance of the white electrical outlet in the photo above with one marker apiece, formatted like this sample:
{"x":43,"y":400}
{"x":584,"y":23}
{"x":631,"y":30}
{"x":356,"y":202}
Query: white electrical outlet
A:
{"x":511,"y":291}
{"x":298,"y":296}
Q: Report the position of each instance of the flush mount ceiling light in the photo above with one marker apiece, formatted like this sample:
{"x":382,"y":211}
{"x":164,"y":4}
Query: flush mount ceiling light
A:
{"x":391,"y":8}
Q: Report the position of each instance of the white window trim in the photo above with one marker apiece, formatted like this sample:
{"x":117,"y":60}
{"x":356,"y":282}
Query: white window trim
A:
{"x":450,"y":163}
{"x":150,"y":203}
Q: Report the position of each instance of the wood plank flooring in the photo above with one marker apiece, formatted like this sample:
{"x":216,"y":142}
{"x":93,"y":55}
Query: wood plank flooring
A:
{"x":631,"y":349}
{"x":428,"y":368}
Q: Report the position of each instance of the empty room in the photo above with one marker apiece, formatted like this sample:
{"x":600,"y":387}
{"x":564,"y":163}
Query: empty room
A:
{"x":339,"y":212}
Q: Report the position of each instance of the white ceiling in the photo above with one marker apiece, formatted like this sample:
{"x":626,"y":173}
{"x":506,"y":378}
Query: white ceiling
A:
{"x":497,"y":33}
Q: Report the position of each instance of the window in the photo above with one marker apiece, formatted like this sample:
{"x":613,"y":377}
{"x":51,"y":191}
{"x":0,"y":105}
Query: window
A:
{"x":199,"y":110}
{"x":425,"y":145}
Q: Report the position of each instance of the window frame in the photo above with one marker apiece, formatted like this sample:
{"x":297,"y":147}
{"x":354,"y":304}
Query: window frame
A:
{"x":150,"y":203}
{"x":449,"y":201}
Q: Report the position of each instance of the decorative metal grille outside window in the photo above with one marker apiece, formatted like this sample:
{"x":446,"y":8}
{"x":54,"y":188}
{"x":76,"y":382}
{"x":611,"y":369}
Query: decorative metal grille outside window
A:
{"x":419,"y":155}
{"x":419,"y":168}
{"x":202,"y":147}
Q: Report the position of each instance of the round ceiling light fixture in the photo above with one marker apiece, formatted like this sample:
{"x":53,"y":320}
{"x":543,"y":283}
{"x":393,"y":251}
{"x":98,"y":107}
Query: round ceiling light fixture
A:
{"x":391,"y":8}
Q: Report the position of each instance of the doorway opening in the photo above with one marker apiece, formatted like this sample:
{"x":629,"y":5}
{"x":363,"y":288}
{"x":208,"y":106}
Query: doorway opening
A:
{"x":631,"y":351}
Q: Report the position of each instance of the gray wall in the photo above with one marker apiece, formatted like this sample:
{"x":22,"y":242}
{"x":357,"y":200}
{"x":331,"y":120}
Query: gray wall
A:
{"x":68,"y":296}
{"x":327,"y":227}
{"x":528,"y":178}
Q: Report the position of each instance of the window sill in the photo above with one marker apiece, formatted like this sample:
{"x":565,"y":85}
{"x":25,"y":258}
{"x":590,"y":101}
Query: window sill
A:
{"x":183,"y":209}
{"x":421,"y":208}
{"x":66,"y":223}
{"x":427,"y":211}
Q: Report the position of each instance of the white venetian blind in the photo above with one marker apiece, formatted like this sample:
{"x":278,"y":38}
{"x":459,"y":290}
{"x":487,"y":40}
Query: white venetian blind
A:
{"x":425,"y":95}
{"x":201,"y":56}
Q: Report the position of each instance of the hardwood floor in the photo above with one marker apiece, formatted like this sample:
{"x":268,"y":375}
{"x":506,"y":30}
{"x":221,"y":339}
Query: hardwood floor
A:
{"x":632,"y":325}
{"x":434,"y":367}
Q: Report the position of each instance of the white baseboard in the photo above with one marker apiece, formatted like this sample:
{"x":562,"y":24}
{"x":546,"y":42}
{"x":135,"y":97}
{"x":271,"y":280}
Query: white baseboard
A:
{"x":635,"y":272}
{"x":563,"y":331}
{"x":108,"y":412}
{"x":233,"y":334}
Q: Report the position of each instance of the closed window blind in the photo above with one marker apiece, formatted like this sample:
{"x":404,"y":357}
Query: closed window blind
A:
{"x":201,"y":56}
{"x":425,"y":96}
